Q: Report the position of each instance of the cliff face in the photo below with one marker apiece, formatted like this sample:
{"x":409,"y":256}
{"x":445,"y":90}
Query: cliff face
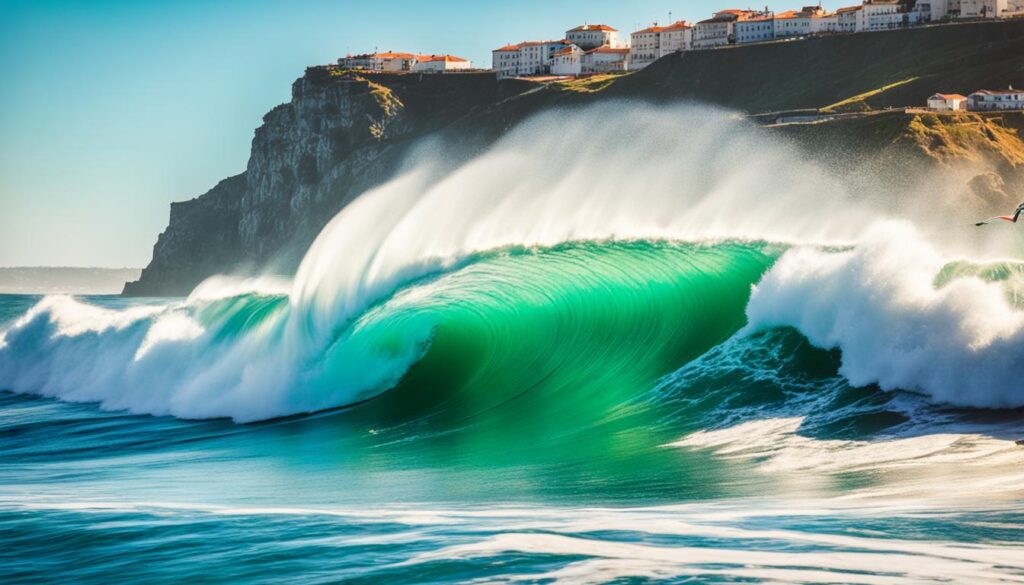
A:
{"x":201,"y":239}
{"x":343,"y":132}
{"x":340,"y":134}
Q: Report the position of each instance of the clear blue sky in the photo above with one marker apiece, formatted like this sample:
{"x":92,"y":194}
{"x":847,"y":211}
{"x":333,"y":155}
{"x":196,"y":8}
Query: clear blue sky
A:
{"x":110,"y":110}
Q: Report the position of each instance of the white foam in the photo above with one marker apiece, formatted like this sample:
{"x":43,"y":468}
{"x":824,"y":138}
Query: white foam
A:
{"x":962,"y":343}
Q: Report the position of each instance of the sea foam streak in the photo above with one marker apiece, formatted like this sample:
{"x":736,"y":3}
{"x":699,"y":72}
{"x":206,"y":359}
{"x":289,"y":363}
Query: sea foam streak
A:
{"x":623,"y":172}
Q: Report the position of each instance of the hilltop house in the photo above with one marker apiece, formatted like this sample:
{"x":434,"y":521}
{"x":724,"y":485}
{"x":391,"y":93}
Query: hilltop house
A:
{"x":719,"y":30}
{"x":847,"y":18}
{"x":947,"y":102}
{"x":755,"y":29}
{"x":393,"y":62}
{"x":525,"y":59}
{"x":440,"y":64}
{"x":605,"y":60}
{"x":592,"y":36}
{"x":650,"y":44}
{"x":797,"y":24}
{"x":567,"y":61}
{"x":996,"y":99}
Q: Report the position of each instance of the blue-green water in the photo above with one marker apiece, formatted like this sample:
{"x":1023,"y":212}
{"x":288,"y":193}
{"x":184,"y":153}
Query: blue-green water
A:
{"x":582,"y":413}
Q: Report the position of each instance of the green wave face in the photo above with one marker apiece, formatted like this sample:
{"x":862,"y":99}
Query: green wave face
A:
{"x":530,"y":355}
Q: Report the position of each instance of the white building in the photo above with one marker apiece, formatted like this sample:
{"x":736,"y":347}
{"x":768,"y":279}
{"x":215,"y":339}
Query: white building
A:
{"x":947,"y":102}
{"x":440,"y":64}
{"x":717,"y":31}
{"x":883,"y":15}
{"x":567,"y":61}
{"x":996,"y":99}
{"x":678,"y":36}
{"x":825,"y":24}
{"x":755,"y":29}
{"x":525,"y":59}
{"x":391,"y":62}
{"x":983,"y":8}
{"x":797,"y":24}
{"x":605,"y":60}
{"x":505,"y":61}
{"x":650,"y":44}
{"x":592,"y":36}
{"x":847,"y":18}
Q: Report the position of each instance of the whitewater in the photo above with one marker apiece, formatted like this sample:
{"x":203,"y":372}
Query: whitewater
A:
{"x":624,"y":342}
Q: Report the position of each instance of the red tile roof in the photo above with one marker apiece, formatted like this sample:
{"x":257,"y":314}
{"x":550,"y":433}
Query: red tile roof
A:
{"x":618,"y":51}
{"x":586,"y":27}
{"x":681,"y":25}
{"x":393,"y":55}
{"x":445,"y":58}
{"x":949,"y":96}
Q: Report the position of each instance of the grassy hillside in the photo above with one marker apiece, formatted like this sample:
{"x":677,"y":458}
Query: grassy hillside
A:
{"x":892,"y":68}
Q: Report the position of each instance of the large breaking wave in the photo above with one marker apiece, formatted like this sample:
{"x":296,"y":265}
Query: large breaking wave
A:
{"x":597,"y":249}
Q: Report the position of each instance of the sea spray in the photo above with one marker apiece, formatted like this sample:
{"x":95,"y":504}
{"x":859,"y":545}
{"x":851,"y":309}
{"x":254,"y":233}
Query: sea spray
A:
{"x":607,"y":174}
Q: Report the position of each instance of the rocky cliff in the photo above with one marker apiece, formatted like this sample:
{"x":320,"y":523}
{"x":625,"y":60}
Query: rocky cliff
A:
{"x":340,"y":134}
{"x":344,"y":132}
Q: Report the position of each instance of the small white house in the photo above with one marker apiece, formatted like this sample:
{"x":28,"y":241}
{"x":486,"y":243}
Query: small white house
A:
{"x":996,"y":99}
{"x":947,"y":102}
{"x":505,"y":61}
{"x":605,"y":60}
{"x":567,"y":61}
{"x":592,"y":36}
{"x":440,"y":64}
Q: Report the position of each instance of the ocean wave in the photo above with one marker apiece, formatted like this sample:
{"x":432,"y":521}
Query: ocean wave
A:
{"x":902,"y":317}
